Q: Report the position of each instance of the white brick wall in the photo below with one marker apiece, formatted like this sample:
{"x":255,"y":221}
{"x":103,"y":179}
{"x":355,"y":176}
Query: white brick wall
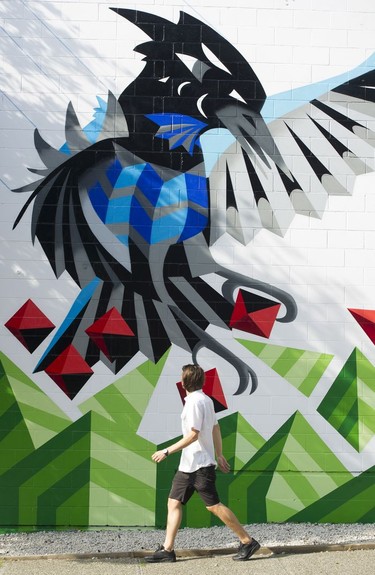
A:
{"x":53,"y":52}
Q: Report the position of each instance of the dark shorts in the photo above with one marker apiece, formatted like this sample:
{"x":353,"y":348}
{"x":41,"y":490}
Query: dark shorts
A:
{"x":201,"y":481}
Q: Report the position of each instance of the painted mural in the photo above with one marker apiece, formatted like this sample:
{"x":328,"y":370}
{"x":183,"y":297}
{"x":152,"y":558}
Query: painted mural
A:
{"x":135,"y":208}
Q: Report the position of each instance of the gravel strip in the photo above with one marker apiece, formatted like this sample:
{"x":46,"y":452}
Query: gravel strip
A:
{"x":109,"y":540}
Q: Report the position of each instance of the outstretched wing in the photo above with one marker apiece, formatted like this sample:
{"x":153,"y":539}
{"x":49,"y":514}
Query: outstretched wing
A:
{"x":72,"y":217}
{"x":292,"y":164}
{"x":328,"y":142}
{"x":64,"y":213}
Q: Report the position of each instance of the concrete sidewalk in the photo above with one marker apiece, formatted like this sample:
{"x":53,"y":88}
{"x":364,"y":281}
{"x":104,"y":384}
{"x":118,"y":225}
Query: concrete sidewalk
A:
{"x":265,"y":562}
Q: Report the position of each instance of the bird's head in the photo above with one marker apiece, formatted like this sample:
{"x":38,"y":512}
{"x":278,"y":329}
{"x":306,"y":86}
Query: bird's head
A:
{"x":193,"y":71}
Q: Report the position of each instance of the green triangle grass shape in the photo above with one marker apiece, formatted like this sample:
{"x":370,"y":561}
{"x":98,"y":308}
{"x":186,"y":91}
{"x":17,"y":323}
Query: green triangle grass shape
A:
{"x":240,"y":443}
{"x":118,"y":410}
{"x":60,"y":481}
{"x":40,"y":484}
{"x":73,"y":510}
{"x":240,"y":440}
{"x":128,"y":397}
{"x":349,"y":405}
{"x":41,"y":416}
{"x":68,"y":499}
{"x":117,"y":508}
{"x":297,"y":454}
{"x":122,"y":475}
{"x":353,"y":502}
{"x":15,"y":439}
{"x":152,"y":371}
{"x":64,"y":479}
{"x":301,"y":368}
{"x":122,"y":472}
{"x":290,"y":471}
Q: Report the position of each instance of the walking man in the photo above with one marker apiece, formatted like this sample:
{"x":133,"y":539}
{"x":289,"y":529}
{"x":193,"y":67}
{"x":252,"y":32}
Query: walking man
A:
{"x":200,"y":442}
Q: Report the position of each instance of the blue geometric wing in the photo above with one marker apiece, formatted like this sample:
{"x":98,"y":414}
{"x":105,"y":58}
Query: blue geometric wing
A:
{"x":178,"y":129}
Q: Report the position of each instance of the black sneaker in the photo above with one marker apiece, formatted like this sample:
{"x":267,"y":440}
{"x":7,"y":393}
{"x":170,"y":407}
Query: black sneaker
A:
{"x":246,"y":550}
{"x":161,"y":555}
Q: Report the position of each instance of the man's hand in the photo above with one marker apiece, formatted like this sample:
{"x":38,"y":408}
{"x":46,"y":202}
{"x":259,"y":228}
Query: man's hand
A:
{"x":158,"y":456}
{"x":223,"y":464}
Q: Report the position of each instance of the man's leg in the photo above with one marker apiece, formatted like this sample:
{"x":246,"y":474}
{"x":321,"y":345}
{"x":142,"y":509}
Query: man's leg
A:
{"x":230,"y":520}
{"x":248,"y":545}
{"x":173,"y":523}
{"x":165,"y":553}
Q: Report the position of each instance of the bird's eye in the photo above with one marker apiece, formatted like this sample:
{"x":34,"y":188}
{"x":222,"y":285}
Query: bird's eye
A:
{"x":189,"y":61}
{"x":237,"y":96}
{"x":196,"y":67}
{"x":164,"y":80}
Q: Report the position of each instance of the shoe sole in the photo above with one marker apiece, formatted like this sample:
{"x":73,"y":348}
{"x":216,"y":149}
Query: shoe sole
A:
{"x":247,"y":557}
{"x":164,"y":560}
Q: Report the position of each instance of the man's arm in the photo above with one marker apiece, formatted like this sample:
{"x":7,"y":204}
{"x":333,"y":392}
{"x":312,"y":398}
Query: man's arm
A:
{"x":218,"y":444}
{"x":181,"y":444}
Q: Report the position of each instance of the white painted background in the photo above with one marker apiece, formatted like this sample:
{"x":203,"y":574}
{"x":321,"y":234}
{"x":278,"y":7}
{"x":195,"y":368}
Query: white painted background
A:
{"x":53,"y":52}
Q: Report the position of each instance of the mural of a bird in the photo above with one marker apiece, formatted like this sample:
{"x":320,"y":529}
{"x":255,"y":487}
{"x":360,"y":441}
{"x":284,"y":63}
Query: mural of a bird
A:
{"x":133,"y":215}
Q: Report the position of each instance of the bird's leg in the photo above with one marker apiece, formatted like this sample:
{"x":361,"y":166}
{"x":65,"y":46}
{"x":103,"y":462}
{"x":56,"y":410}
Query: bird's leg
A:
{"x":197,"y":250}
{"x":244,"y":371}
{"x":235,"y":280}
{"x":207,"y":341}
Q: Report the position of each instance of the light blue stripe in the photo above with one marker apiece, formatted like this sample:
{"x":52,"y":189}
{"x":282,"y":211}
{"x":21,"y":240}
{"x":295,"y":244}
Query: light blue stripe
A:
{"x":83,"y":298}
{"x":129,"y":176}
{"x":169,"y":226}
{"x":118,"y":211}
{"x":173,"y":192}
{"x":285,"y":102}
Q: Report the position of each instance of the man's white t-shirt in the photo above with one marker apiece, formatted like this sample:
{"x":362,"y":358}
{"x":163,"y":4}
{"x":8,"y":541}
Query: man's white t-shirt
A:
{"x":198,"y":413}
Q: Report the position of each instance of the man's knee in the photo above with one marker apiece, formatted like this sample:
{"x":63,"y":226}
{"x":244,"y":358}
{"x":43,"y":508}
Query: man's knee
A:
{"x":174,"y":504}
{"x":214,"y":508}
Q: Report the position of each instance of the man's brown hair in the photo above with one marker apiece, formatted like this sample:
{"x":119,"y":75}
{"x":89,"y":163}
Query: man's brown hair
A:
{"x":192,"y":377}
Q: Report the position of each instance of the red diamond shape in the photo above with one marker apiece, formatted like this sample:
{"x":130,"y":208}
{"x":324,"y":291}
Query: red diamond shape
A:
{"x":30,"y":326}
{"x":254,"y":314}
{"x":212,"y":387}
{"x":108,"y":332}
{"x":69,"y":371}
{"x":366,"y":319}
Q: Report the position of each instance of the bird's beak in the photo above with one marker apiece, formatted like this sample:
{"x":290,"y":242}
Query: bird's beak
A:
{"x":251,"y":131}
